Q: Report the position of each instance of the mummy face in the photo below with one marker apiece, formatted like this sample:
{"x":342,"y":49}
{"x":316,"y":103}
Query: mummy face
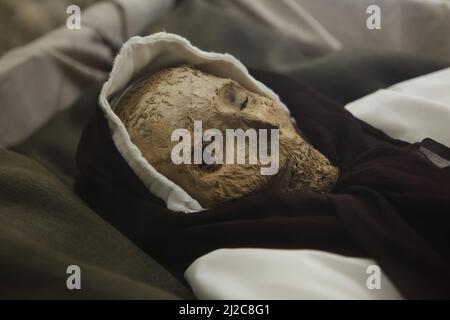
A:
{"x":179,"y":98}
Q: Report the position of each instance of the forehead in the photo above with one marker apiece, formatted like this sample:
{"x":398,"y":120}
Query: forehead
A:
{"x":168,"y":97}
{"x":185,"y":81}
{"x":178,"y":96}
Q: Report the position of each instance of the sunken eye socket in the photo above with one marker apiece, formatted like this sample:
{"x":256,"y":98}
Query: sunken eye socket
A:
{"x":204,"y":167}
{"x":234,"y":96}
{"x":209,"y":167}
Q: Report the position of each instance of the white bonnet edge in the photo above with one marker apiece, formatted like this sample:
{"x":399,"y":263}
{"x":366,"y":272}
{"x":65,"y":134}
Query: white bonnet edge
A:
{"x":154,"y":53}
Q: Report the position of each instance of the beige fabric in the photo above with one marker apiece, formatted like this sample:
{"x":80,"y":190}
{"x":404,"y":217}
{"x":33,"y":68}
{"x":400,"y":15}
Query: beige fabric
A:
{"x":49,"y":74}
{"x":25,"y":20}
{"x":290,"y":18}
{"x":418,"y":27}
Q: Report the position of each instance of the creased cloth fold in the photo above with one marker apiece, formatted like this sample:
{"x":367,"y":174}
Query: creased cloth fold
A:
{"x":49,"y":74}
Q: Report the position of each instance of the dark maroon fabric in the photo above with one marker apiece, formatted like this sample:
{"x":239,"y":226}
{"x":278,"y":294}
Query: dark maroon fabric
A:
{"x":389,"y":204}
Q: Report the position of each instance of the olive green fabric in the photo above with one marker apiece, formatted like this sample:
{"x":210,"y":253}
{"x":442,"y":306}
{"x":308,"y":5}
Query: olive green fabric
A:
{"x":45,"y":227}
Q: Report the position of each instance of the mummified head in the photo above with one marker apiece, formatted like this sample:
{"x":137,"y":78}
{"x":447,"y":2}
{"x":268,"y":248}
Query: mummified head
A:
{"x":178,"y":97}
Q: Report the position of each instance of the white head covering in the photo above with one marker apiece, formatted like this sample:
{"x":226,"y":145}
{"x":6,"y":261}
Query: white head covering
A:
{"x":145,"y":56}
